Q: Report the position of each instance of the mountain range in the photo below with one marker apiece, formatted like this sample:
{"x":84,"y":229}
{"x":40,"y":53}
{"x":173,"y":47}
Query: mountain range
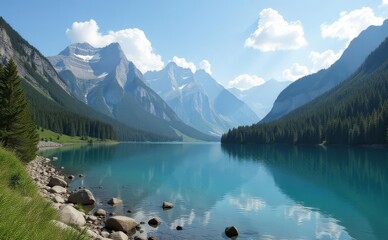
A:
{"x":105,"y":80}
{"x":50,"y":100}
{"x":261,"y":98}
{"x":309,"y":87}
{"x":353,"y":112}
{"x":199,"y":100}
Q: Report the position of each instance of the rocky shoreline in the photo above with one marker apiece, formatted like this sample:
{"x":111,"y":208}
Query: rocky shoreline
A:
{"x":98,"y":225}
{"x":42,"y":145}
{"x":52,"y":185}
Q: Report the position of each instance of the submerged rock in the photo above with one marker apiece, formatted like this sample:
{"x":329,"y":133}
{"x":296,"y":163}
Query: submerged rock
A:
{"x":154,"y":222}
{"x":231,"y":231}
{"x":83,"y":196}
{"x":167,"y":205}
{"x":121,"y":223}
{"x":114,"y":201}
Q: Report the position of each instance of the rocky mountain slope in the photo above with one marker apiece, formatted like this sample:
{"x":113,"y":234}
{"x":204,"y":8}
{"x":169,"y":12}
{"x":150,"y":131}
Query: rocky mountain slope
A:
{"x":104,"y":79}
{"x":199,"y":100}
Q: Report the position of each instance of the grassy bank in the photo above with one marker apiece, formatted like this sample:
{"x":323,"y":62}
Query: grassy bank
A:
{"x":47,"y":135}
{"x":24,"y":214}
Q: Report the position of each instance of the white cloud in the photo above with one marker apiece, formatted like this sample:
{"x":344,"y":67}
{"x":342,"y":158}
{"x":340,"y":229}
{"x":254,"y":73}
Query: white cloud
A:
{"x":206,"y":66}
{"x":133,"y":41}
{"x":181,"y":62}
{"x":295,"y":72}
{"x":350,"y":24}
{"x":324,"y":59}
{"x":274,"y":33}
{"x":245,"y":81}
{"x":384,"y":3}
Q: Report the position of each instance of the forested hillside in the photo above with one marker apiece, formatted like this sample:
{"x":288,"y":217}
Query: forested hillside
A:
{"x":50,"y":101}
{"x":354,"y":112}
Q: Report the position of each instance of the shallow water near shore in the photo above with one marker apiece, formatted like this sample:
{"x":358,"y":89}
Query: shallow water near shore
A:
{"x":267,"y":191}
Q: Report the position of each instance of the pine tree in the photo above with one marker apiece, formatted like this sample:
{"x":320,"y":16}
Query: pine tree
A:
{"x":17,"y":129}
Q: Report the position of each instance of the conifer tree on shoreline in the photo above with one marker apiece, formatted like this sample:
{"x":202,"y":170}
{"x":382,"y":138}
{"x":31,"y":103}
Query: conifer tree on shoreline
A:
{"x":17,"y":128}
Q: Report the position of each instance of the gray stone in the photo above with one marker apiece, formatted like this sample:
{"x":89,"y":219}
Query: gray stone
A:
{"x":120,"y":223}
{"x":114,"y":201}
{"x":100,"y":212}
{"x":167,"y":205}
{"x":61,"y":225}
{"x":91,"y":218}
{"x":118,"y":236}
{"x":57,"y":181}
{"x":231,"y":231}
{"x":139,"y":238}
{"x":91,"y":234}
{"x":58,"y":199}
{"x":105,"y":234}
{"x":71,"y":216}
{"x":154,"y":222}
{"x":57,"y":189}
{"x":83,"y":196}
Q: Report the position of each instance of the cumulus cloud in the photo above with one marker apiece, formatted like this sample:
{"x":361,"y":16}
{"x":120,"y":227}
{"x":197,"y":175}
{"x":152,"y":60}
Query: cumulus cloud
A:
{"x":135,"y":44}
{"x":181,"y":62}
{"x":274,"y":33}
{"x":384,"y":3}
{"x":206,"y":66}
{"x":245,"y":81}
{"x":323,"y":60}
{"x":295,"y":72}
{"x":350,"y":24}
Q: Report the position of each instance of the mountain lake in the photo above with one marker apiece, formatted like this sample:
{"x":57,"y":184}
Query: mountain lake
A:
{"x":266,"y":191}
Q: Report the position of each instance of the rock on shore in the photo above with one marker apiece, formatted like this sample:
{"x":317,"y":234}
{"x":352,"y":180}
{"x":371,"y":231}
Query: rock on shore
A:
{"x":121,"y":223}
{"x":82,"y":196}
{"x":44,"y":176}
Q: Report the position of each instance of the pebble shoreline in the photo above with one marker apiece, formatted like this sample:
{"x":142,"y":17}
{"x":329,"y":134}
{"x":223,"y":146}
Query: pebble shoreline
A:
{"x":93,"y":224}
{"x":53,"y":186}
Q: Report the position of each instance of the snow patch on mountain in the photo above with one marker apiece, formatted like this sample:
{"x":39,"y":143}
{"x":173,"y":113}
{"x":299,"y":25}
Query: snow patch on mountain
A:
{"x":85,"y":58}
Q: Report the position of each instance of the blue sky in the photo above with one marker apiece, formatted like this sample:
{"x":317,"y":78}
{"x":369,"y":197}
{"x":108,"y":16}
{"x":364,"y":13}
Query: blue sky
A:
{"x":242,"y":43}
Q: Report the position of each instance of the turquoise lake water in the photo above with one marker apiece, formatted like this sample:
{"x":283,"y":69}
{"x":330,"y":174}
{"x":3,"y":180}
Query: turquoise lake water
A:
{"x":267,"y":191}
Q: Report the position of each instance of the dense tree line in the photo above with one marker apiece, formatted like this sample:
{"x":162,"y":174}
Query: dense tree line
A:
{"x":17,"y":128}
{"x":355,"y":112}
{"x":55,"y":109}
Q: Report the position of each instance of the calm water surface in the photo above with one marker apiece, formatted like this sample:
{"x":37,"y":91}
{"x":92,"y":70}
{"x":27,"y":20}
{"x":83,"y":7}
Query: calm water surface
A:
{"x":267,"y":192}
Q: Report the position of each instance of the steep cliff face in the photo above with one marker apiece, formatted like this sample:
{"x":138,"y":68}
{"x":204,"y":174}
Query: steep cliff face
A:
{"x":30,"y":61}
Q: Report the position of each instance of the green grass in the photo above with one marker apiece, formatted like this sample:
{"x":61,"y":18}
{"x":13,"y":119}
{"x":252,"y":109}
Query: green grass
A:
{"x":24,"y":214}
{"x":61,"y":138}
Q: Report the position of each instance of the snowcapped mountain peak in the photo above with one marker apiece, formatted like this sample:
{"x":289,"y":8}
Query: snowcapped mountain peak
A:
{"x":89,"y":63}
{"x":105,"y":80}
{"x":198,"y":99}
